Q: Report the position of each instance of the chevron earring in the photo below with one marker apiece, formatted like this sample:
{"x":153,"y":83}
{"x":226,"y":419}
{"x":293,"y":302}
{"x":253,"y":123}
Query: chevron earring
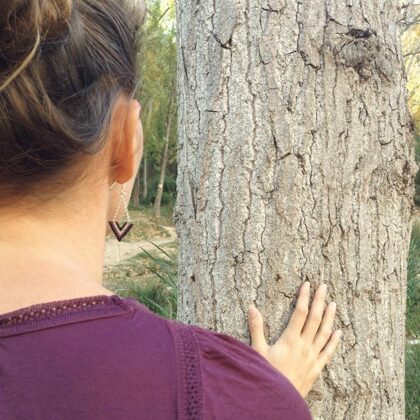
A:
{"x":120,"y":231}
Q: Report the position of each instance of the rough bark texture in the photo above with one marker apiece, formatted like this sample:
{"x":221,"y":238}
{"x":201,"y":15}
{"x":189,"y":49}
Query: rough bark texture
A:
{"x":296,"y":162}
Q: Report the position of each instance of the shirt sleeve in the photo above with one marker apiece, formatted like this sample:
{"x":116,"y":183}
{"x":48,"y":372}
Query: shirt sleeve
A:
{"x":231,"y":380}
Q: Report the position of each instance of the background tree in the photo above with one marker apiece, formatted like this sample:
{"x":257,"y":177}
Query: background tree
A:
{"x":296,"y":162}
{"x":164,"y":161}
{"x":158,"y":66}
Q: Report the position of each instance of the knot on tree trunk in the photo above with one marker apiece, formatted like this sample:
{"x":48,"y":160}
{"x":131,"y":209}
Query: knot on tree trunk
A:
{"x":362,"y":50}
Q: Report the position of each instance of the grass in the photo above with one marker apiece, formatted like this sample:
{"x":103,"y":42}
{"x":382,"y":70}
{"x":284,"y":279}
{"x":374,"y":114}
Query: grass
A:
{"x":412,"y":382}
{"x":166,"y":213}
{"x":413,"y":285}
{"x":150,"y":277}
{"x":412,"y":352}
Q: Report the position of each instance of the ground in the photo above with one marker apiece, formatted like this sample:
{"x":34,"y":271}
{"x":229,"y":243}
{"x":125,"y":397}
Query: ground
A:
{"x":132,"y":248}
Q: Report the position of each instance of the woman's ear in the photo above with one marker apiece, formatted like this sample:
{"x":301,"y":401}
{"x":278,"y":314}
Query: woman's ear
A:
{"x":127,"y":136}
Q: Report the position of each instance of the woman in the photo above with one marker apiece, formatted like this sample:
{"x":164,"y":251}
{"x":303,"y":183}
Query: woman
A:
{"x":70,"y":348}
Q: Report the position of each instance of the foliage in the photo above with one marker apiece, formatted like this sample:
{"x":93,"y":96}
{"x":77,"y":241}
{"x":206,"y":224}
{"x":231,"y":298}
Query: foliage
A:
{"x":158,"y":72}
{"x":417,"y":179}
{"x":411,"y":52}
{"x":168,"y":194}
{"x":413,"y":284}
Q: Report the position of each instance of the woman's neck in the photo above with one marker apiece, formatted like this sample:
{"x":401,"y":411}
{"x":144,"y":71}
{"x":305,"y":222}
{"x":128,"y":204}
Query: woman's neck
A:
{"x":52,"y":258}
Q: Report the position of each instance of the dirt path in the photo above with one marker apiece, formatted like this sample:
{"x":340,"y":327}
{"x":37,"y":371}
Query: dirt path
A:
{"x":129,"y":249}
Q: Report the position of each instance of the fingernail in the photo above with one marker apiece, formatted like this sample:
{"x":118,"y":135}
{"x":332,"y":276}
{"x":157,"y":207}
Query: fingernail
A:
{"x":340,"y":333}
{"x":252,"y":309}
{"x":333,"y":305}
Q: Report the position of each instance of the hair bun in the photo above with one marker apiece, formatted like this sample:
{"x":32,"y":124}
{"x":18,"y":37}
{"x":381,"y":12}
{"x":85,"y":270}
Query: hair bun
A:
{"x":24,"y":25}
{"x":22,"y":20}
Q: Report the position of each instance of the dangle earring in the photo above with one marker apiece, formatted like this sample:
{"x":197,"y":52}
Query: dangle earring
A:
{"x":120,"y":231}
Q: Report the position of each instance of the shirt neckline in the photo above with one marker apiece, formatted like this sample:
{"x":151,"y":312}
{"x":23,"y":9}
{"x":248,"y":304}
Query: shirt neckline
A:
{"x":59,"y":312}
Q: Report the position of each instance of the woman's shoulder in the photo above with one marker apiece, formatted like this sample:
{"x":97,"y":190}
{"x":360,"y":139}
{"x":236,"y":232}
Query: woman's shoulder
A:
{"x":222,"y":377}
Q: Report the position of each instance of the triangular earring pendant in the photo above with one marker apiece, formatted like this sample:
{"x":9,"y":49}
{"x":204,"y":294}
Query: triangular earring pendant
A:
{"x":120,"y":231}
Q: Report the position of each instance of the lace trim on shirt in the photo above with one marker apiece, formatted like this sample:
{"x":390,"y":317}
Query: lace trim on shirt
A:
{"x":191,"y":381}
{"x":51,"y":309}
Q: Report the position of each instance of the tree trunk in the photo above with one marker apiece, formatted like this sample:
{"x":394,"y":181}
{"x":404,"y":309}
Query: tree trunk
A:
{"x":147,"y":130}
{"x":164,"y":161}
{"x":145,"y":175}
{"x":136,"y":191}
{"x":296,"y":162}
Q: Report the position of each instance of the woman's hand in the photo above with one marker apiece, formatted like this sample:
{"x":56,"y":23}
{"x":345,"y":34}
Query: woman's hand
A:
{"x":306,"y":345}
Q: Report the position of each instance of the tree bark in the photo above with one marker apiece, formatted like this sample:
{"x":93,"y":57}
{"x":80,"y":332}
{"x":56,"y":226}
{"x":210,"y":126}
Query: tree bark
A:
{"x":164,"y":161}
{"x":296,"y":162}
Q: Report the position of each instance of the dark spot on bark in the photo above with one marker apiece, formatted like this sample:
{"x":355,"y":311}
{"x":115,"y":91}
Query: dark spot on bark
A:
{"x":360,"y":33}
{"x":363,"y":51}
{"x":412,"y":124}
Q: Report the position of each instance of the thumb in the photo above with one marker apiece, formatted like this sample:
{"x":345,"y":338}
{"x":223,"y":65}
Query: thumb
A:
{"x":256,"y":329}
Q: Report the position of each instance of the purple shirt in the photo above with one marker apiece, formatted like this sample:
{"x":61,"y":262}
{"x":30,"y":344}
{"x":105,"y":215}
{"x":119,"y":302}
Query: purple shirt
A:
{"x":108,"y":357}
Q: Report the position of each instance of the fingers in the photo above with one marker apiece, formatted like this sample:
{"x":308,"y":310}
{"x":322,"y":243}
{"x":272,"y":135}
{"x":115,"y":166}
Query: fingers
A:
{"x":325,"y":330}
{"x":300,"y":312}
{"x":315,"y":315}
{"x":329,"y":349}
{"x":256,"y":329}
